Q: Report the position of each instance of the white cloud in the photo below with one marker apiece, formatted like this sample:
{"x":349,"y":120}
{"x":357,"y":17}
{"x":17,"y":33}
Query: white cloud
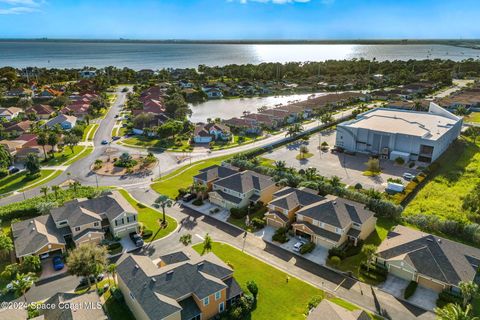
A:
{"x":19,"y":6}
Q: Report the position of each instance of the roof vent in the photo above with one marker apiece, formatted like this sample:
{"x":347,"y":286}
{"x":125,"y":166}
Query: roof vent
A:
{"x":31,"y":221}
{"x":439,"y":240}
{"x":430,"y":239}
{"x":136,"y":266}
{"x":154,"y":280}
{"x":33,"y":229}
{"x":200,"y":266}
{"x":334,"y":203}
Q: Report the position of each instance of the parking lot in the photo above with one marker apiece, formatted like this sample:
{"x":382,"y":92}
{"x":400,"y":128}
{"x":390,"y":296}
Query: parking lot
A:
{"x":349,"y":168}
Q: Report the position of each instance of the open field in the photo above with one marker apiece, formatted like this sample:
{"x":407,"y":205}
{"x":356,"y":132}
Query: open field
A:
{"x":150,"y":218}
{"x":473,"y":117}
{"x":458,"y":173}
{"x":89,"y":132}
{"x":277,"y":298}
{"x":61,"y":157}
{"x":145,"y":142}
{"x":182,"y":178}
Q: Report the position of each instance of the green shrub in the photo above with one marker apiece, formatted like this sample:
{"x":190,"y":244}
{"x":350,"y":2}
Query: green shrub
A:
{"x":410,"y":289}
{"x":258,"y":223}
{"x":358,"y":186}
{"x":400,"y":160}
{"x":197,"y":202}
{"x":147,"y":233}
{"x":335,"y":261}
{"x":238,"y":213}
{"x":307,"y":248}
{"x":114,"y":245}
{"x":446,"y":297}
{"x":280,"y":235}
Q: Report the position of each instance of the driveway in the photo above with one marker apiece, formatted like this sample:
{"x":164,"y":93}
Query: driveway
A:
{"x":349,"y":168}
{"x":208,"y":208}
{"x":48,"y":271}
{"x":423,"y":297}
{"x":319,"y":255}
{"x":128,"y":244}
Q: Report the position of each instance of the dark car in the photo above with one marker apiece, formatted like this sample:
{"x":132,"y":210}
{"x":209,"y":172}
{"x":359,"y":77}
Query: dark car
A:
{"x":12,"y":170}
{"x":115,"y":138}
{"x":84,"y":281}
{"x":57,"y":263}
{"x":137,"y":239}
{"x":104,"y":142}
{"x":188,"y":197}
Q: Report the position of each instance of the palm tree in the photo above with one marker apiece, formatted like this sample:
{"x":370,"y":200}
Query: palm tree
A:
{"x":23,"y":282}
{"x":303,"y":151}
{"x":335,"y":181}
{"x":163,"y":202}
{"x":74,"y":185}
{"x":469,"y":290}
{"x":44,"y":190}
{"x":311,"y":173}
{"x":111,"y":269}
{"x":326,"y":118}
{"x":455,"y":312}
{"x":280,"y":166}
{"x":207,"y":244}
{"x":31,"y":263}
{"x":293,"y":130}
{"x":42,"y":141}
{"x":55,"y":190}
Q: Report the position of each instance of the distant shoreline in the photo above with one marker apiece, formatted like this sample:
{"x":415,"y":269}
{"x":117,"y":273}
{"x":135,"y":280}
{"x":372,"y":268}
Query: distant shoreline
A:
{"x":469,"y":43}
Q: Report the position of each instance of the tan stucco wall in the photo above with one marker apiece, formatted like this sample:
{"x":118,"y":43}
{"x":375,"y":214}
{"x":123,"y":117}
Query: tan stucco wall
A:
{"x":266,"y":194}
{"x":211,"y":309}
{"x":86,"y":226}
{"x":367,"y":228}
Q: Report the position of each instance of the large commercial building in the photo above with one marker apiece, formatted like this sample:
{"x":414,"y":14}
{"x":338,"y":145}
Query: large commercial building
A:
{"x":392,"y":133}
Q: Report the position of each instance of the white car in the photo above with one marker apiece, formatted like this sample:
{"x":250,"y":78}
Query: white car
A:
{"x":408,"y":176}
{"x":297,"y":246}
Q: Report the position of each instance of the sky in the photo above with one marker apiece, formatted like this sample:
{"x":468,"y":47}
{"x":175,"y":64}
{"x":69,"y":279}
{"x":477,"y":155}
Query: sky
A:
{"x":240,"y":19}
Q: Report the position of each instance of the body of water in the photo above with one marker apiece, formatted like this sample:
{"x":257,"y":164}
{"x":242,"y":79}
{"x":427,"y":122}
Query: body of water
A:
{"x":230,"y":108}
{"x":162,"y":55}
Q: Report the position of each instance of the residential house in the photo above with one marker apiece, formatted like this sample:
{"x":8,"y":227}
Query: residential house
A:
{"x":24,"y":143}
{"x":18,"y":128}
{"x":65,"y":121}
{"x":80,"y":220}
{"x":332,"y":221}
{"x":19,"y":92}
{"x":265,"y":120}
{"x":210,"y":174}
{"x":249,"y":126}
{"x":330,"y":310}
{"x":49,"y":93}
{"x":286,"y":202}
{"x":41,"y":111}
{"x":176,"y":286}
{"x":242,"y":189}
{"x":73,"y":306}
{"x":184,"y":84}
{"x":155,"y":121}
{"x":88,"y":74}
{"x":79,"y":110}
{"x":10,"y":113}
{"x":206,"y":133}
{"x":434,"y":262}
{"x":213,"y":93}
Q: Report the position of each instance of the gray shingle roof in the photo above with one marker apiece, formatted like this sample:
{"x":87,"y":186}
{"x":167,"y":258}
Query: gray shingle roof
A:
{"x":337,"y":212}
{"x":75,"y":213}
{"x":245,"y":181}
{"x":80,"y":313}
{"x":438,"y":258}
{"x":289,"y":198}
{"x":189,"y":309}
{"x":331,"y":311}
{"x":31,"y":235}
{"x":199,"y":275}
{"x":320,"y":231}
{"x":214,"y":172}
{"x":227,"y":197}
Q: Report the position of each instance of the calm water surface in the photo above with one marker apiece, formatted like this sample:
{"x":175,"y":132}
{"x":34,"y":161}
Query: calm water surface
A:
{"x":161,"y":55}
{"x":230,"y":108}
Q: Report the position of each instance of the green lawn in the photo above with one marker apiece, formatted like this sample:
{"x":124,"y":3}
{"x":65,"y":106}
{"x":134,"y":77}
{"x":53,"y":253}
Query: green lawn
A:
{"x":277,"y":299}
{"x":353,"y":263}
{"x":473,"y":117}
{"x":61,"y":157}
{"x":45,"y":174}
{"x":146,"y":142}
{"x":220,"y":145}
{"x":150,"y":218}
{"x":459,"y":172}
{"x":20,"y":180}
{"x":89,"y":136}
{"x":182,"y":178}
{"x":86,"y":151}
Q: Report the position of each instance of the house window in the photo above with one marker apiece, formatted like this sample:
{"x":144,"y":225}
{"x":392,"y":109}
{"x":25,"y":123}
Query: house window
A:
{"x":96,"y":224}
{"x":356,"y":224}
{"x":221,"y":307}
{"x":128,"y":219}
{"x":116,"y":223}
{"x":77,"y":228}
{"x":218,"y":295}
{"x":206,"y":301}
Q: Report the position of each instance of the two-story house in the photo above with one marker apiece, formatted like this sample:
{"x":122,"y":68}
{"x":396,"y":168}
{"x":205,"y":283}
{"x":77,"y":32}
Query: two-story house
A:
{"x":180,"y":285}
{"x":327,"y":221}
{"x":333,"y":220}
{"x":241,"y":189}
{"x":210,"y":174}
{"x":80,"y":220}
